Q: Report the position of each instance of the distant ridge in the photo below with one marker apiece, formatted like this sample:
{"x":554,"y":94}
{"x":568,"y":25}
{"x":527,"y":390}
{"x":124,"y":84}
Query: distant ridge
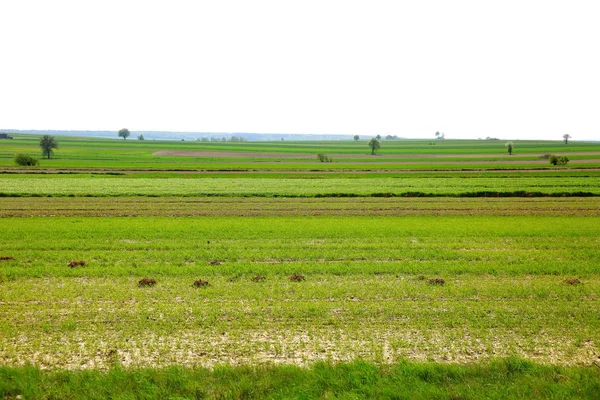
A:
{"x":166,"y":135}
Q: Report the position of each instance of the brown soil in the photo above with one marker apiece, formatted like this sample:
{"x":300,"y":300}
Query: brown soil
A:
{"x":234,"y":154}
{"x":200,"y":283}
{"x":5,"y":258}
{"x":74,"y":264}
{"x":573,"y":281}
{"x":296,"y":278}
{"x":258,"y":278}
{"x":146,"y":282}
{"x":436,"y":281}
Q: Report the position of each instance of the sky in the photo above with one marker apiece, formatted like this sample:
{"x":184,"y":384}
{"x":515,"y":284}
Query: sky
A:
{"x":470,"y":69}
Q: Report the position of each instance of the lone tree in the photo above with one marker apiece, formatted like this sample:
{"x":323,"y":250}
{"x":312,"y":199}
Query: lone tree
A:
{"x":378,"y":137}
{"x":440,"y":135}
{"x":124,"y":133}
{"x":509,"y":147}
{"x":140,"y":137}
{"x":374,"y":145}
{"x":47,"y":143}
{"x":566,"y":136}
{"x":356,"y":137}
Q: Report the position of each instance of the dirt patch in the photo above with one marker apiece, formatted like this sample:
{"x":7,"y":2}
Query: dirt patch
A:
{"x":573,"y":282}
{"x":74,"y":264}
{"x":436,"y":281}
{"x":296,"y":278}
{"x":6,"y":258}
{"x":146,"y":282}
{"x":200,"y":283}
{"x":234,"y":154}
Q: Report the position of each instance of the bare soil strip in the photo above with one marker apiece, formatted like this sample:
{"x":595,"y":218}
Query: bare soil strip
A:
{"x":210,"y":206}
{"x":249,"y":154}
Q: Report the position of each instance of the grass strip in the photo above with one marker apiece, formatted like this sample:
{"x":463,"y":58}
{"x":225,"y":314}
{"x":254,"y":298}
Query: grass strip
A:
{"x":510,"y":378}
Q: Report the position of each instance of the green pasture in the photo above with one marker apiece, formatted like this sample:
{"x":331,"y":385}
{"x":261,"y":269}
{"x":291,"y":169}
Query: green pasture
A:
{"x":408,"y":154}
{"x":512,"y":378}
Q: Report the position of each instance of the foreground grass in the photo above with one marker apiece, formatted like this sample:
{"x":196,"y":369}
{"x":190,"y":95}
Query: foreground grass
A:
{"x":510,"y":378}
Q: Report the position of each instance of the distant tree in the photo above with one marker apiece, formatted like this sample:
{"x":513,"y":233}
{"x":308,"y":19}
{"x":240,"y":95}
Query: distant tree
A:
{"x":374,"y":145}
{"x":140,"y":137}
{"x":509,"y":147}
{"x":378,"y":137}
{"x":124,"y":133}
{"x":26,"y":160}
{"x":48,"y":143}
{"x":566,"y":136}
{"x":440,"y":135}
{"x":356,"y":137}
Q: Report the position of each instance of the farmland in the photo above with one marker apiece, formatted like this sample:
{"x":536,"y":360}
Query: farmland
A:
{"x":494,"y":272}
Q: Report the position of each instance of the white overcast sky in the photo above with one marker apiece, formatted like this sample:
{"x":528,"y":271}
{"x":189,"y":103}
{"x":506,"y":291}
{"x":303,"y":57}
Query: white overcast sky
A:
{"x":508,"y":69}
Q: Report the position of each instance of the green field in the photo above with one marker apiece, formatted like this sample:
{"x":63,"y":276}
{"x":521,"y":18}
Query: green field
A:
{"x":487,"y":287}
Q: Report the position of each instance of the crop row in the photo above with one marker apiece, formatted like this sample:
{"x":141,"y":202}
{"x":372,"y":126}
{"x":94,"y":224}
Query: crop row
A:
{"x":284,"y":245}
{"x":124,"y":186}
{"x":278,"y":206}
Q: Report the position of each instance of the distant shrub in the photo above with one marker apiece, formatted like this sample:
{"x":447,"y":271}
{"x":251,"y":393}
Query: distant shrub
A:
{"x":558,"y":160}
{"x":323,"y":158}
{"x":26,"y":160}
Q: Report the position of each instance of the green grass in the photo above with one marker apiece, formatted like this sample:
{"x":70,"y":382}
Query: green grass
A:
{"x":507,"y":379}
{"x":515,"y":317}
{"x":504,"y":294}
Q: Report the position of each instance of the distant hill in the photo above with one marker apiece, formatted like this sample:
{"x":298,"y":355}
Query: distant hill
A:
{"x":164,"y":135}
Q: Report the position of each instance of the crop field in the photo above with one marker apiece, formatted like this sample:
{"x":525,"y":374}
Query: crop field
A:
{"x":481,"y":280}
